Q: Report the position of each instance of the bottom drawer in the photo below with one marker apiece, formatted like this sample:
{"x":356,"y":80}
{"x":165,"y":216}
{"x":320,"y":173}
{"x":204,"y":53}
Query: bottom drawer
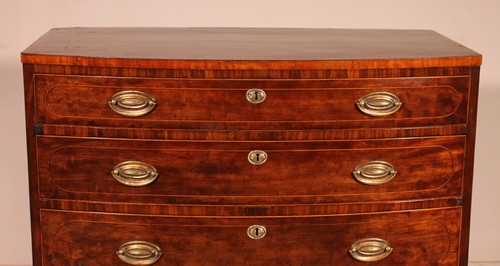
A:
{"x":428,"y":237}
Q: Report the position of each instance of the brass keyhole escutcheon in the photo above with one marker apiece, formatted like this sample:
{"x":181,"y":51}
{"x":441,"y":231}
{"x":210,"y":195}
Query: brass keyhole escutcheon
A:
{"x":256,"y":231}
{"x":257,"y":157}
{"x":256,"y":95}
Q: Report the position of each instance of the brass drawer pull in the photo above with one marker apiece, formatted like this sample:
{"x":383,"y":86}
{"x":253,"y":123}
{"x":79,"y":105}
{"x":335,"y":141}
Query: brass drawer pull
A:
{"x":257,"y":157}
{"x":132,"y":103}
{"x":134,"y":173}
{"x":379,"y":103}
{"x":256,"y":95}
{"x":256,"y":231}
{"x":370,"y":249}
{"x":374,"y":173}
{"x":139,"y":253}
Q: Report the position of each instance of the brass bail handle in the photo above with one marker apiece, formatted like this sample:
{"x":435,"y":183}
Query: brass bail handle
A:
{"x":134,"y":173}
{"x":374,"y":173}
{"x":132,"y":103}
{"x":139,"y":253}
{"x":379,"y":103}
{"x":370,"y":249}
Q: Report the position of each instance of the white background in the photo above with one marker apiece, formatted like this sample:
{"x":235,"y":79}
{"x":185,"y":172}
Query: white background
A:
{"x":475,"y":24}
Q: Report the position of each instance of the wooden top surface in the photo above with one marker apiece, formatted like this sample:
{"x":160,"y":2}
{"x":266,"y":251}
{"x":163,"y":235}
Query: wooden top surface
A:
{"x":248,"y":48}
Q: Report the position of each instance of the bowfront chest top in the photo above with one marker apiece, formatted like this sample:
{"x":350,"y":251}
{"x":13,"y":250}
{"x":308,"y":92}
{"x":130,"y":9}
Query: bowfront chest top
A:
{"x":245,"y":146}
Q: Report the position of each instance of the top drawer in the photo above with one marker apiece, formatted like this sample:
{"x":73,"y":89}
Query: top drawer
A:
{"x":251,"y":104}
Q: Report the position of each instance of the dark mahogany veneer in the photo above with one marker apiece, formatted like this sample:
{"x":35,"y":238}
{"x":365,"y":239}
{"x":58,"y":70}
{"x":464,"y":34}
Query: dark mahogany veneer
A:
{"x":201,"y":127}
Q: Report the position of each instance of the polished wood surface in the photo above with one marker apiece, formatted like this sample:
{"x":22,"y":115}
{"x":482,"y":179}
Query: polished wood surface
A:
{"x":469,"y":164}
{"x":250,"y":210}
{"x":429,"y":237}
{"x":219,"y":172}
{"x":29,"y":95}
{"x":250,"y":48}
{"x":199,"y":135}
{"x":308,"y":103}
{"x":252,"y":73}
{"x":245,"y":135}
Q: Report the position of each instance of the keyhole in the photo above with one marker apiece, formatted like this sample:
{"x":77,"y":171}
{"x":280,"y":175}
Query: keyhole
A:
{"x":256,"y":231}
{"x":257,"y":157}
{"x":255,"y":95}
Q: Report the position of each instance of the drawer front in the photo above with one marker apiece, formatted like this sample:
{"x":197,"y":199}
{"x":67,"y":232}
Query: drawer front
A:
{"x":428,"y":237}
{"x":223,"y":172}
{"x":217,"y":104}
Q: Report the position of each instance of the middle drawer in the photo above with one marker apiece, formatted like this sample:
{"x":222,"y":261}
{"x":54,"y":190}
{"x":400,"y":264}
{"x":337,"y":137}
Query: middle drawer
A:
{"x":249,"y":172}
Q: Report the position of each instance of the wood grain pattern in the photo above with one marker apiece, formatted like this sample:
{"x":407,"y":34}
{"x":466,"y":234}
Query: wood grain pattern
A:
{"x":252,"y":73}
{"x":198,"y":136}
{"x":233,"y":48}
{"x":290,"y":104}
{"x":469,"y":165}
{"x":236,"y":135}
{"x":29,"y":95}
{"x":252,"y":209}
{"x":207,"y":172}
{"x":418,"y":238}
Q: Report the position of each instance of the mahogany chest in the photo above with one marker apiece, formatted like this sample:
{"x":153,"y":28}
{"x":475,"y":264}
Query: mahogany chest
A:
{"x":245,"y":146}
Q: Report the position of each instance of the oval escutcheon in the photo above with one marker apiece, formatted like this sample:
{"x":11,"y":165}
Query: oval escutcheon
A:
{"x":256,"y":231}
{"x":256,"y":95}
{"x":134,"y":173}
{"x":257,"y":157}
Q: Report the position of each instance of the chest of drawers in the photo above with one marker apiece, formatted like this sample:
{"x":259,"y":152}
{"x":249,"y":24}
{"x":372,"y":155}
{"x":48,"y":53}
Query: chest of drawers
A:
{"x":226,"y":146}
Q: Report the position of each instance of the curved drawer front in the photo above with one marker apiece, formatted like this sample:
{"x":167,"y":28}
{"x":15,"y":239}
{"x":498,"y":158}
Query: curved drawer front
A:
{"x":183,"y":172}
{"x":278,"y":104}
{"x":412,"y":238}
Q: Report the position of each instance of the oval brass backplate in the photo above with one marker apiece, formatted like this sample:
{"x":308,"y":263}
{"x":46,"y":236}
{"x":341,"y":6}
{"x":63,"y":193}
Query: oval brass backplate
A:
{"x":380,"y":103}
{"x":256,"y":95}
{"x":139,"y":253}
{"x":374,"y":173}
{"x":257,"y":157}
{"x":256,"y":231}
{"x":370,"y":249}
{"x":134,"y":173}
{"x":132,"y":103}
